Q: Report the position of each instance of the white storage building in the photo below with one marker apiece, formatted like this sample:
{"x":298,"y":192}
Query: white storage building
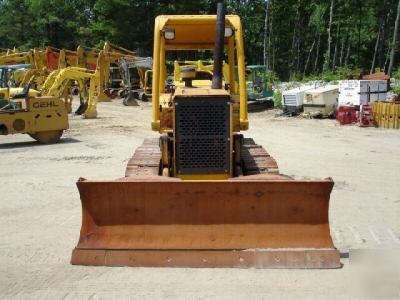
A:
{"x":292,"y":100}
{"x":357,"y":92}
{"x":321,"y":101}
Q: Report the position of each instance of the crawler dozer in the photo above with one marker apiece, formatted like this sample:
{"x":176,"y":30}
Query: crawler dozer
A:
{"x":202,"y":195}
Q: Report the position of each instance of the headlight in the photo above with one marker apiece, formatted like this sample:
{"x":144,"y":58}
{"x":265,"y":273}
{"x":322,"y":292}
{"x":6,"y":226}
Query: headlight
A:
{"x":228,"y":32}
{"x":169,"y":34}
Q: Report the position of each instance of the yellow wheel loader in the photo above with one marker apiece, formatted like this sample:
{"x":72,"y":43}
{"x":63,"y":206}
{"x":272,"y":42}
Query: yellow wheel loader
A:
{"x":23,"y":110}
{"x":202,"y":195}
{"x":44,"y":114}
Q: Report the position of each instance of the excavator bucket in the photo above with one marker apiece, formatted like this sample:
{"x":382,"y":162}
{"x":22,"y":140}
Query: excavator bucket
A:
{"x":82,"y":108}
{"x":260,"y":221}
{"x":131,"y":99}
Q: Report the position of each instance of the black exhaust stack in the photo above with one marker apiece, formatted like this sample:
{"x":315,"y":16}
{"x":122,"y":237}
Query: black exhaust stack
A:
{"x":219,"y":47}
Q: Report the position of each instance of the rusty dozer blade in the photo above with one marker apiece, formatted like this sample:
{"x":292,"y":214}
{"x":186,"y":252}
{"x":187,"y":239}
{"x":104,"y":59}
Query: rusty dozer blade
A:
{"x":244,"y":222}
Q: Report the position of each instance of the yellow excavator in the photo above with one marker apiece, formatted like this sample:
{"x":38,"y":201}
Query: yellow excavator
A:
{"x":202,"y":195}
{"x":111,"y":56}
{"x":14,"y":58}
{"x":136,"y":78}
{"x":59,"y":82}
{"x":88,"y":59}
{"x":44,"y":61}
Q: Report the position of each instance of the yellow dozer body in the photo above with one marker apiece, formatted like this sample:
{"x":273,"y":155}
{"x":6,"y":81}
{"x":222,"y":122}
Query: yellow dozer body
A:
{"x":204,"y":72}
{"x":202,"y":195}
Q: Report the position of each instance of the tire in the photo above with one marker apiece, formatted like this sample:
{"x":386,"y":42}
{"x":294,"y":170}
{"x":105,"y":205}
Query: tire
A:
{"x":47,"y":137}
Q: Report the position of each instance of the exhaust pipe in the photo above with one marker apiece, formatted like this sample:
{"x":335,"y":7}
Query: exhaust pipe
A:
{"x":219,"y":47}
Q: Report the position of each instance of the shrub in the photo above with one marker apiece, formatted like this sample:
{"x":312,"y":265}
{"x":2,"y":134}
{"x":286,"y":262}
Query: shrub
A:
{"x":277,"y":99}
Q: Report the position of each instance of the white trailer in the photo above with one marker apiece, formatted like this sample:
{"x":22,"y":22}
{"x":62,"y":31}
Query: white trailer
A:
{"x":358,"y":92}
{"x":321,"y":102}
{"x":292,"y":100}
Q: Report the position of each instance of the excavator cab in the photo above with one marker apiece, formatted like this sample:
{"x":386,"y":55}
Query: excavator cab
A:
{"x":136,"y":76}
{"x":202,"y":195}
{"x":147,"y":87}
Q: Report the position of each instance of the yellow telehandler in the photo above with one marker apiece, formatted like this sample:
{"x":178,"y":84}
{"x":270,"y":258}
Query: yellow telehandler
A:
{"x":44,"y":118}
{"x":59,"y":82}
{"x":202,"y":195}
{"x":44,"y":114}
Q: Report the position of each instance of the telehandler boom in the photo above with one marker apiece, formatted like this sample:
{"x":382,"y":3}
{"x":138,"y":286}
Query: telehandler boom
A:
{"x":202,"y":195}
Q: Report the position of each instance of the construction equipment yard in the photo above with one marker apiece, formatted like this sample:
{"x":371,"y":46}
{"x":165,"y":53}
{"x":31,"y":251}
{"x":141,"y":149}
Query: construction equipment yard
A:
{"x":41,"y":210}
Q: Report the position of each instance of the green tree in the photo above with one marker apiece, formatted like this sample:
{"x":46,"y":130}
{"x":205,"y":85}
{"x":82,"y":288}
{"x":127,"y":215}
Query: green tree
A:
{"x":361,"y":32}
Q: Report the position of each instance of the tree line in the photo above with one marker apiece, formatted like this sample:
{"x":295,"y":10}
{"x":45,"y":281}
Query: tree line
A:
{"x":295,"y":38}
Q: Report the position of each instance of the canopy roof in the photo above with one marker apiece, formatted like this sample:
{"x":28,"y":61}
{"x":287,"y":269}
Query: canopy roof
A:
{"x":193,"y":32}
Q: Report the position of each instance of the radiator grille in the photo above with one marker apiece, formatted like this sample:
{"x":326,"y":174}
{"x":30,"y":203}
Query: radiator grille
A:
{"x":289,"y":100}
{"x":202,"y":135}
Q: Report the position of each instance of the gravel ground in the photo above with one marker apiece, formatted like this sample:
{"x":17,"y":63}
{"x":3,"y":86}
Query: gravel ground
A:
{"x":41,"y":213}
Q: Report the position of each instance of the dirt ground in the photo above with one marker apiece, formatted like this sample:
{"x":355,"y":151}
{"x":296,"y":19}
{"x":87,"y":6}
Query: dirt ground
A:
{"x":40,"y":208}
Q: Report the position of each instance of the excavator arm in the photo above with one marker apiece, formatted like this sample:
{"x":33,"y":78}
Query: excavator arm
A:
{"x":59,"y":81}
{"x":141,"y":63}
{"x":17,"y":58}
{"x":135,"y":88}
{"x":89,"y":59}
